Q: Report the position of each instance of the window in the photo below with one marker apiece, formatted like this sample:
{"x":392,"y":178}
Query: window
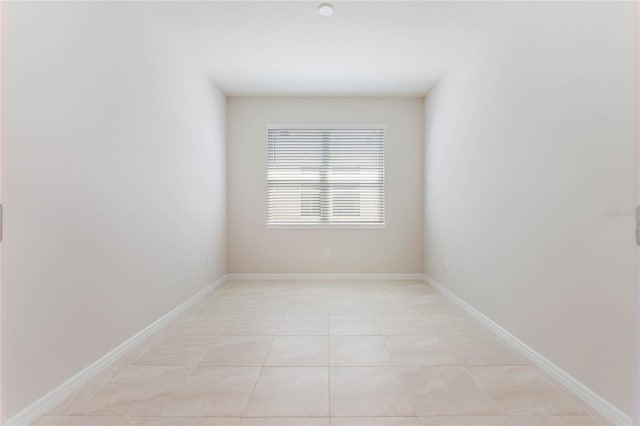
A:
{"x":325,"y":176}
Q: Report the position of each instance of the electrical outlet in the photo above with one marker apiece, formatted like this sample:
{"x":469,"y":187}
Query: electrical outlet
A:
{"x":327,"y":252}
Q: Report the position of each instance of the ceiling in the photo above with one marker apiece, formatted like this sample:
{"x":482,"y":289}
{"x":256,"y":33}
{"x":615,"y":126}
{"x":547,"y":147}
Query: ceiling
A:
{"x":384,"y":48}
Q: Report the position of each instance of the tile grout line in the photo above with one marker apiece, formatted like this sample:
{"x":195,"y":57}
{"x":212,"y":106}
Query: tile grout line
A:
{"x":395,"y":369}
{"x":244,"y":412}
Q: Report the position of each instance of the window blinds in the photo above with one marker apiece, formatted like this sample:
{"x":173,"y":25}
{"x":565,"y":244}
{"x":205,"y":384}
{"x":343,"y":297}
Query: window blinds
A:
{"x":325,"y":176}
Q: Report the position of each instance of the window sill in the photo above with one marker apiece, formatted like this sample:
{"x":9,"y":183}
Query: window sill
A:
{"x":328,"y":226}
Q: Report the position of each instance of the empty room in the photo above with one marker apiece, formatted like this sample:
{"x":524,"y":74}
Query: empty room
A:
{"x":308,"y":213}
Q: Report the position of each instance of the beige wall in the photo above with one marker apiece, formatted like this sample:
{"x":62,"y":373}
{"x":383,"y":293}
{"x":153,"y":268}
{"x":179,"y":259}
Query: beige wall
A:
{"x":530,"y":143}
{"x":255,"y":249}
{"x":113,"y":186}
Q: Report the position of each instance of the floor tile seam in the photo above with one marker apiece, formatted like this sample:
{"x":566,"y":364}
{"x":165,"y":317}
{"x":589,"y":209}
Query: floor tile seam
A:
{"x":502,"y":412}
{"x":404,"y":385}
{"x":253,"y":389}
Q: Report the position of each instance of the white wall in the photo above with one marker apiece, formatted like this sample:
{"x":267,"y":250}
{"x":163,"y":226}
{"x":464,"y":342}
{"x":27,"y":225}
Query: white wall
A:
{"x":113,"y":186}
{"x":530,"y":142}
{"x":255,"y":249}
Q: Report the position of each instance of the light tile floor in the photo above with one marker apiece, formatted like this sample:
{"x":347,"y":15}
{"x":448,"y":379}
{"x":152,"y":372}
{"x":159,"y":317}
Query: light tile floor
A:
{"x":326,"y":353}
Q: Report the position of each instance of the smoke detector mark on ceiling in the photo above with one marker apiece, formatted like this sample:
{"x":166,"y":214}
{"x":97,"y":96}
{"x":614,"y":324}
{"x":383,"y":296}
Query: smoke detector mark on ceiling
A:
{"x":325,"y":9}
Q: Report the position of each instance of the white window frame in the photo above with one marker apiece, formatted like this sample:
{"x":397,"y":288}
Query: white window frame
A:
{"x":323,"y":126}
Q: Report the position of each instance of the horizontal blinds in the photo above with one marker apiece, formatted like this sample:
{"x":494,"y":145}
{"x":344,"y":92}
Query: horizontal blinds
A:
{"x":325,"y":176}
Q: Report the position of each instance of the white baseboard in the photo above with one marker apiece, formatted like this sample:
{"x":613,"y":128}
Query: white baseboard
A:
{"x":345,"y":277}
{"x":57,"y":395}
{"x":595,"y":401}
